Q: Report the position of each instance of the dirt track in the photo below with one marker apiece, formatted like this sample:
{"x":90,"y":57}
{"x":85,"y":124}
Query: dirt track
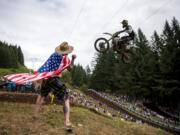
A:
{"x":18,"y":97}
{"x":31,"y":99}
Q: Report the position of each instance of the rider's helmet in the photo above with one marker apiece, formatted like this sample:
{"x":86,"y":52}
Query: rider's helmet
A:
{"x":124,"y":23}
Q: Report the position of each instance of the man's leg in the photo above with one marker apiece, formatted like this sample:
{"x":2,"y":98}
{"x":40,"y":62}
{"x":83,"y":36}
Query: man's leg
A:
{"x":62,"y":94}
{"x":39,"y":102}
{"x":66,"y":109}
{"x":44,"y":91}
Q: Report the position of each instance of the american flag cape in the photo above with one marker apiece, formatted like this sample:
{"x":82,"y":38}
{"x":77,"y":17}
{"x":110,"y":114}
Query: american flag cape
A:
{"x":23,"y":78}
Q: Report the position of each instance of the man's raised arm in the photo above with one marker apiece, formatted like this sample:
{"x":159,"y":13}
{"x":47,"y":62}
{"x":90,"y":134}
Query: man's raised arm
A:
{"x":72,"y":62}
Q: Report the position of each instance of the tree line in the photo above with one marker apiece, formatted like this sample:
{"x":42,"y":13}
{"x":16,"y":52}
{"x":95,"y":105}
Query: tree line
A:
{"x":153,"y":75}
{"x":11,"y":56}
{"x":78,"y":76}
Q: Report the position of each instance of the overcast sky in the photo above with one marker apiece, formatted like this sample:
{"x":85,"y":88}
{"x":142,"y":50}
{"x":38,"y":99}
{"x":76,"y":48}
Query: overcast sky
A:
{"x":38,"y":26}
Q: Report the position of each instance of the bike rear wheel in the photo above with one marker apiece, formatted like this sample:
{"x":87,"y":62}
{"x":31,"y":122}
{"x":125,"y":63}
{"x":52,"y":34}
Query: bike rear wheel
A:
{"x":101,"y":45}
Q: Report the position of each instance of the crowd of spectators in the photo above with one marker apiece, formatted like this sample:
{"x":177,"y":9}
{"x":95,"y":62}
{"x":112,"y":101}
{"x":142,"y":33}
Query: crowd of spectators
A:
{"x":170,"y":112}
{"x":81,"y":99}
{"x":138,"y":108}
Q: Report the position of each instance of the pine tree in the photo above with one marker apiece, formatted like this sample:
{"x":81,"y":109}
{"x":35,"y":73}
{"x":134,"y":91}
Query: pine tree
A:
{"x":176,"y":30}
{"x":102,"y":76}
{"x":168,"y":85}
{"x":78,"y":75}
{"x":20,"y":56}
{"x":88,"y":74}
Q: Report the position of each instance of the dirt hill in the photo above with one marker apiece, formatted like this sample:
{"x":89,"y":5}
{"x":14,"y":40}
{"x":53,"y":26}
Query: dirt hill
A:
{"x":17,"y":119}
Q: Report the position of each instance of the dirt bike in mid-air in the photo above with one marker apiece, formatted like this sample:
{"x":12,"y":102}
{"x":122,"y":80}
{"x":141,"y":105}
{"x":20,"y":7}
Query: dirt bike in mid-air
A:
{"x":124,"y":47}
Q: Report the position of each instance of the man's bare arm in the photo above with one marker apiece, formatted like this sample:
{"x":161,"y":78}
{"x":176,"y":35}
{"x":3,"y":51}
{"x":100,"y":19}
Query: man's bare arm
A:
{"x":72,"y":62}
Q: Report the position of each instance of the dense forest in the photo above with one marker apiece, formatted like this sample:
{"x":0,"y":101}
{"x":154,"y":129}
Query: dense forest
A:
{"x":153,"y":75}
{"x":11,"y":56}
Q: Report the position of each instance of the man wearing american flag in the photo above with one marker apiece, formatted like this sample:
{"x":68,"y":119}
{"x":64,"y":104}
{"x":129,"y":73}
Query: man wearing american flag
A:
{"x":53,"y":84}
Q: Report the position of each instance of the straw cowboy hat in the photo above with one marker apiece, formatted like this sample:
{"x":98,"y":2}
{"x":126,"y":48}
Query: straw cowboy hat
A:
{"x":64,"y":48}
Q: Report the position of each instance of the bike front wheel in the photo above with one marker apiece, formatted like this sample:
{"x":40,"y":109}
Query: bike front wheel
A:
{"x":101,"y":45}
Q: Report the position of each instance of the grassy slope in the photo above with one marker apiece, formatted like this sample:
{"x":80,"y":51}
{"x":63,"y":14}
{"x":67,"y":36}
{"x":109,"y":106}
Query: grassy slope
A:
{"x":16,"y":119}
{"x":5,"y":71}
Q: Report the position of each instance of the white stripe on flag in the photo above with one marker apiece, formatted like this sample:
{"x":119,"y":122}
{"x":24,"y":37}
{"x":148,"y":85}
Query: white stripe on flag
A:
{"x":22,"y":78}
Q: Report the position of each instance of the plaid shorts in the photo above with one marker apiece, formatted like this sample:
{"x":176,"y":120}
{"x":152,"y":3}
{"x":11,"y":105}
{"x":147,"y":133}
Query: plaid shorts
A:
{"x":55,"y":86}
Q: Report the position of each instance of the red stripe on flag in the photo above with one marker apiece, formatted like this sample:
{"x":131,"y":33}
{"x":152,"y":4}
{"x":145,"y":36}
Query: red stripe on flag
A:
{"x":23,"y":78}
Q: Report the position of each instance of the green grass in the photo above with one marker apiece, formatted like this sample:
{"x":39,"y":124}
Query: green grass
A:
{"x":5,"y":71}
{"x":17,"y":119}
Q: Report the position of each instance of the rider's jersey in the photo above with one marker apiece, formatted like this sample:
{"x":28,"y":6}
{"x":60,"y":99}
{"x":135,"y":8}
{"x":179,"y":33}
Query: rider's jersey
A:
{"x":129,"y":31}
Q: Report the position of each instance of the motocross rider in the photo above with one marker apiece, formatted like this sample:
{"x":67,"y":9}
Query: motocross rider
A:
{"x":125,"y":39}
